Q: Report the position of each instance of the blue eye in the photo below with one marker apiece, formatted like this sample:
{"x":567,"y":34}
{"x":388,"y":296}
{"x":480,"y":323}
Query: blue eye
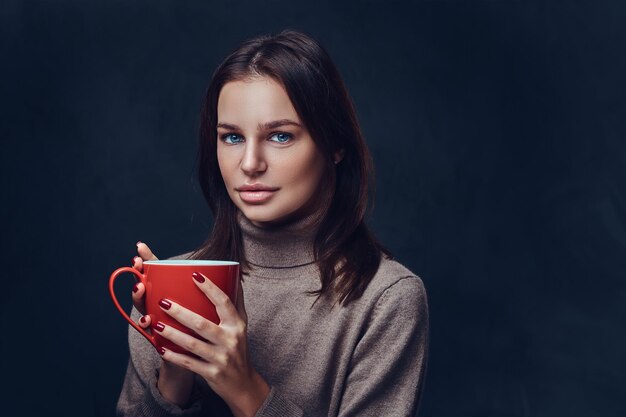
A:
{"x":231,"y":138}
{"x":281,"y":137}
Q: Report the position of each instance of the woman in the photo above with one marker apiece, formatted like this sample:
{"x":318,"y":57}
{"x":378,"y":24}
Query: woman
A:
{"x":331,"y":325}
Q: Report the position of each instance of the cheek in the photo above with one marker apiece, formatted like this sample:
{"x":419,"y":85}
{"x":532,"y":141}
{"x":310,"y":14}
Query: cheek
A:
{"x":225,"y":162}
{"x":304,"y":174}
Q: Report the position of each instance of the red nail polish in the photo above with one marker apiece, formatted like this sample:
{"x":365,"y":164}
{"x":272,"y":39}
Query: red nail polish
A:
{"x":158,"y":326}
{"x":135,"y":287}
{"x":162,"y":351}
{"x":165,"y":304}
{"x":198,"y":277}
{"x":142,"y":319}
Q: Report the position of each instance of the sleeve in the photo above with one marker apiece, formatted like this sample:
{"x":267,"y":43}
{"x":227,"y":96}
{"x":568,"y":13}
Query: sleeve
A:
{"x":389,"y":361}
{"x":140,"y":395}
{"x":276,"y":405}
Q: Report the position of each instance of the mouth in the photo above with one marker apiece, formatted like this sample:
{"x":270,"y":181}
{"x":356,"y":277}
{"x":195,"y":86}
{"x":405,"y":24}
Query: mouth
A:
{"x":256,"y":193}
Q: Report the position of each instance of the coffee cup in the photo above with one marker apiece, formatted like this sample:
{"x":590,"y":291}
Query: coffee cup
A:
{"x":171,"y":279}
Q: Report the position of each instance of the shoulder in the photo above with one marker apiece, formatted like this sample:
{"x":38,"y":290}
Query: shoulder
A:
{"x":394,"y":291}
{"x":395,"y":303}
{"x":395,"y":280}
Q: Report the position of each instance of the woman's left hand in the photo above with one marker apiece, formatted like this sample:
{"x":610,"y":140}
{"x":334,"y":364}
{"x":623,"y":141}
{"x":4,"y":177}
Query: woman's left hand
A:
{"x":223,"y":356}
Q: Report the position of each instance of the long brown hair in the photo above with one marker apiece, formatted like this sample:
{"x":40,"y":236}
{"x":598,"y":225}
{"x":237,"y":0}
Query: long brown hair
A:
{"x":347,"y":253}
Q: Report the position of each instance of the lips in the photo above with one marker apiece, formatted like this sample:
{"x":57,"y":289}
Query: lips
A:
{"x":256,"y":187}
{"x":256,"y":193}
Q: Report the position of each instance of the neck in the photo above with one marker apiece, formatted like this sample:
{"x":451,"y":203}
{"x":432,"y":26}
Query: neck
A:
{"x":284,"y":246}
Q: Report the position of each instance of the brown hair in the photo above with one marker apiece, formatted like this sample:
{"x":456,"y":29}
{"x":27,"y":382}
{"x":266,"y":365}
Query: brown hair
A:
{"x":348,"y":255}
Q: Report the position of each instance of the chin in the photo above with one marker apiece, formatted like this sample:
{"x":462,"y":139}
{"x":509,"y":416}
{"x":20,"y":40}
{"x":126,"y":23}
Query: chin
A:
{"x":259,"y":214}
{"x":264,"y":216}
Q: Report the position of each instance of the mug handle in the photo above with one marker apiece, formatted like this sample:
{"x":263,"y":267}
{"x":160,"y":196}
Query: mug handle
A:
{"x":141,"y":278}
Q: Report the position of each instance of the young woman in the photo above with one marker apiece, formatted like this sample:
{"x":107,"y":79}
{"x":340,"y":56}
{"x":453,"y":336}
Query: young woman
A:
{"x":330,"y":325}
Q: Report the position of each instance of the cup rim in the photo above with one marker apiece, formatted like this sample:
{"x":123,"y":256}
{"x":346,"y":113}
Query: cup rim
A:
{"x":194,"y":262}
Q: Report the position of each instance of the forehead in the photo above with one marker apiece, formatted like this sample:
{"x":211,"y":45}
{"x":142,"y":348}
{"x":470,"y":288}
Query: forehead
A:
{"x":259,"y":99}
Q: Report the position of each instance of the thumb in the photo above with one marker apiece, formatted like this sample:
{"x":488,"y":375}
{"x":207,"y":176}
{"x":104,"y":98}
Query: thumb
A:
{"x":144,"y":251}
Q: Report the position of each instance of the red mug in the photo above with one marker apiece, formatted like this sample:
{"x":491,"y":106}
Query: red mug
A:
{"x":172,"y":279}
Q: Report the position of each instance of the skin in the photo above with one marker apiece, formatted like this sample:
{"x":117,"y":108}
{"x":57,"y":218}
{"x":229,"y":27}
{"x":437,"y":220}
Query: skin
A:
{"x":284,"y":157}
{"x":223,"y":361}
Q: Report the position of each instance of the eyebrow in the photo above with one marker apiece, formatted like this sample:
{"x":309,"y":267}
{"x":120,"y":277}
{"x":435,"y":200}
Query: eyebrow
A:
{"x":263,"y":126}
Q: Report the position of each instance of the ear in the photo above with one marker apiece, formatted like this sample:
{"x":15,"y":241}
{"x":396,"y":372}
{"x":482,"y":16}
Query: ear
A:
{"x":338,"y":156}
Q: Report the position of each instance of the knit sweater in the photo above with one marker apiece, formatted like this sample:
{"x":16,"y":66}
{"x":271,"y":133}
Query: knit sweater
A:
{"x":320,"y":358}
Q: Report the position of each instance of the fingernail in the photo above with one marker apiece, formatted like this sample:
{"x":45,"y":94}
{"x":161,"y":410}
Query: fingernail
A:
{"x":162,"y":351}
{"x":136,"y":287}
{"x":138,"y":242}
{"x":158,"y":326}
{"x":142,"y":319}
{"x":198,"y":277}
{"x":133,"y":261}
{"x":165,"y":304}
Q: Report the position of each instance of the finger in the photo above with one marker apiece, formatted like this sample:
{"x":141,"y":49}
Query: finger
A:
{"x":223,"y":305}
{"x":194,"y":321}
{"x":139,"y":291}
{"x":144,"y":251}
{"x":192,"y":344}
{"x":200,"y":367}
{"x":138,"y":263}
{"x":145,"y":321}
{"x":241,"y":306}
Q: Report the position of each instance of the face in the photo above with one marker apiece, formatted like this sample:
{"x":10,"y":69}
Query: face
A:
{"x":270,"y":165}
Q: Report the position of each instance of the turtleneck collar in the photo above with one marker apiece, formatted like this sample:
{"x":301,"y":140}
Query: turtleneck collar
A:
{"x":279,"y":247}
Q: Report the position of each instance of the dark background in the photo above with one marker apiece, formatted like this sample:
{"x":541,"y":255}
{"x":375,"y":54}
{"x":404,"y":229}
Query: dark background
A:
{"x":498,"y":132}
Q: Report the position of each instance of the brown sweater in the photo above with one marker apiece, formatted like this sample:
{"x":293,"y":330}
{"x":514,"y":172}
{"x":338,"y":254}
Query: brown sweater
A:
{"x":322,"y":359}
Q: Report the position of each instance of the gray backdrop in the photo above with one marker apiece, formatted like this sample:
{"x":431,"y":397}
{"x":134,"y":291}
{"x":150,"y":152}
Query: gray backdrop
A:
{"x":497,"y":129}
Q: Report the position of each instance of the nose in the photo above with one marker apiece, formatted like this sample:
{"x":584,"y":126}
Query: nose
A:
{"x":253,"y":163}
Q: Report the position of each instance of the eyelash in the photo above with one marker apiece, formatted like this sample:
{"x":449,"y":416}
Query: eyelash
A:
{"x":225,"y":136}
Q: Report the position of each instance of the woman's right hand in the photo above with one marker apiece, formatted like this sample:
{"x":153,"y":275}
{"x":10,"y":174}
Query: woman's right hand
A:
{"x":174,"y":382}
{"x":139,"y":290}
